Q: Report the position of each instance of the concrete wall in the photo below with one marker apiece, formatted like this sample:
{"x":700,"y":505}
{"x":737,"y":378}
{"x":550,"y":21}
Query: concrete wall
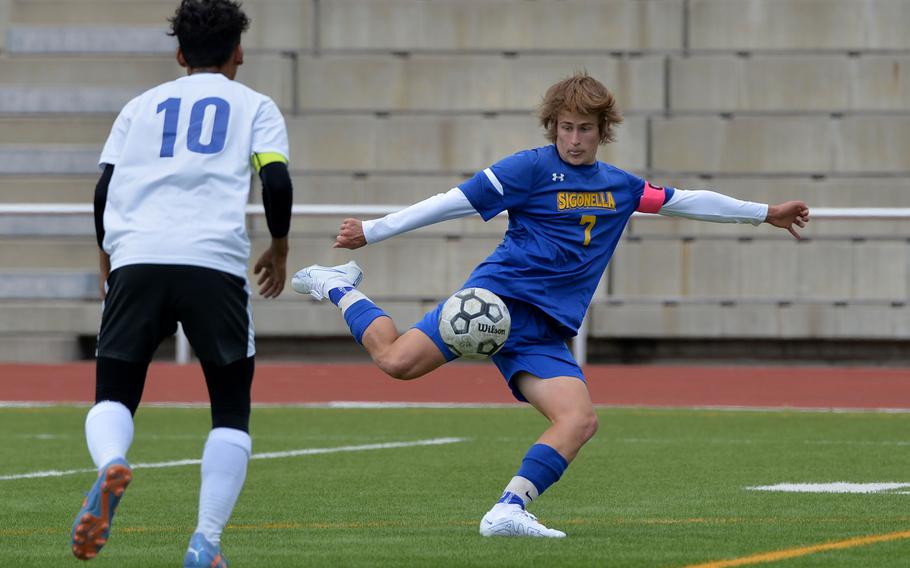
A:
{"x":390,"y":101}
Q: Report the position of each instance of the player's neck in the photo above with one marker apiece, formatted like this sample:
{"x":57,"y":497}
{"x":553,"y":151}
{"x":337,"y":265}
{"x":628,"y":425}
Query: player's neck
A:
{"x":229,"y":73}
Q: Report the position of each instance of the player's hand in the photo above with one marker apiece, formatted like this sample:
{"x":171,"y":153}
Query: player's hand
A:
{"x":788,"y":214}
{"x":350,"y":235}
{"x":272,"y":268}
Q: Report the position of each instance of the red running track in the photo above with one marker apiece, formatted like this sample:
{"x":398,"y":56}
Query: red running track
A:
{"x":798,"y":387}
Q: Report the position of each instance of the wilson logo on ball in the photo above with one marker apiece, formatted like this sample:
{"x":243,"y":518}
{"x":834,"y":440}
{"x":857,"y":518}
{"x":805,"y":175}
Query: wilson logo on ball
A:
{"x":474,"y":323}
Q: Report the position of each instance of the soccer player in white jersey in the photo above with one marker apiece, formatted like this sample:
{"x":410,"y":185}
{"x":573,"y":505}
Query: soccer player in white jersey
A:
{"x":170,"y":216}
{"x":567,"y":211}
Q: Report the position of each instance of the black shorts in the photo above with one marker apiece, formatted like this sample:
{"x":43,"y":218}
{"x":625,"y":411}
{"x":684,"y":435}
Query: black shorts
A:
{"x":145,"y":301}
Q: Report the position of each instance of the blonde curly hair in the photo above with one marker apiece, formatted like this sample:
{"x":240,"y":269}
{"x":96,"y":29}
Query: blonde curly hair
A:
{"x":583,"y":94}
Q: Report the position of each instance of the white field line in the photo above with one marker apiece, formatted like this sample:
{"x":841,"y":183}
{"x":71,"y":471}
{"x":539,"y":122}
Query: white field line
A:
{"x":746,"y":441}
{"x":343,"y":404}
{"x":262,"y":456}
{"x":346,"y":404}
{"x":835,"y":487}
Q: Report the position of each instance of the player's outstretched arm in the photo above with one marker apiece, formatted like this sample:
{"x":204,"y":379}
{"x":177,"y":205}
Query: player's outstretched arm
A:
{"x":788,"y":214}
{"x":350,"y":235}
{"x":453,"y":204}
{"x":272,"y":268}
{"x":706,"y":205}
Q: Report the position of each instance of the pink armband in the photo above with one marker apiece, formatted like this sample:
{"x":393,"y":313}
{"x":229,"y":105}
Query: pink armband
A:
{"x":652,"y":199}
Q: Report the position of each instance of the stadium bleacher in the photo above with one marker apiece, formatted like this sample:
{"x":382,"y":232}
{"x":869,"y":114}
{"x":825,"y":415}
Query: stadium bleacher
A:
{"x":390,"y":101}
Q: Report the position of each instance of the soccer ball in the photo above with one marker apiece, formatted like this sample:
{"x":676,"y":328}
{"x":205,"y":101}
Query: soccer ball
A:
{"x":474,"y":323}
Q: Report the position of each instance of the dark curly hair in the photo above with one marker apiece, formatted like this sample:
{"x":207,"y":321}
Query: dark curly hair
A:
{"x":208,"y":30}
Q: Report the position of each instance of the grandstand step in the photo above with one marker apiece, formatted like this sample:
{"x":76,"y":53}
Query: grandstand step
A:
{"x":61,"y":316}
{"x":816,"y":270}
{"x":738,"y":25}
{"x":49,"y":159}
{"x":294,"y":315}
{"x":457,"y":82}
{"x":507,"y":25}
{"x":62,"y":131}
{"x":731,"y":321}
{"x":21,"y":225}
{"x":98,"y":84}
{"x":855,"y":145}
{"x":785,"y":145}
{"x":409,"y":266}
{"x":458,"y":143}
{"x":89,"y":39}
{"x":64,"y":99}
{"x":729,"y":83}
{"x":48,"y":189}
{"x":39,"y":348}
{"x":274,"y":25}
{"x":42,"y":253}
{"x":88,"y":12}
{"x":48,"y":284}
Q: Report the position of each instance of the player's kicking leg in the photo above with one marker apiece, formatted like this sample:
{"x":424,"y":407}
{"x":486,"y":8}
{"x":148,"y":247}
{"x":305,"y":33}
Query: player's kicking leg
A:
{"x":402,"y":356}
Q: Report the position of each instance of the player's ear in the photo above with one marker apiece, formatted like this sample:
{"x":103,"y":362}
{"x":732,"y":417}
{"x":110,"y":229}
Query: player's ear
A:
{"x":238,"y":55}
{"x":180,"y":59}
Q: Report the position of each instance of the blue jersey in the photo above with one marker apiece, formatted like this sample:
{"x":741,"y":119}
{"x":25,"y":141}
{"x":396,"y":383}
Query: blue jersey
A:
{"x":564,"y":223}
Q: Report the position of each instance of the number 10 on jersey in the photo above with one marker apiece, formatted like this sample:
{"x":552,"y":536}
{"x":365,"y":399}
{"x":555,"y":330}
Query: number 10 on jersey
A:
{"x":171,"y":109}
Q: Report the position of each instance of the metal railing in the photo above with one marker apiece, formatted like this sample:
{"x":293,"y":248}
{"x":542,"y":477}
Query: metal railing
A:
{"x":579,"y":345}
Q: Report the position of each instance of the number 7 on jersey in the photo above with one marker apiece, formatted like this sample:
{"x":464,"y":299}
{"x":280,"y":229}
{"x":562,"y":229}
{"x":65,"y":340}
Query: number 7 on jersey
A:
{"x":588,"y":221}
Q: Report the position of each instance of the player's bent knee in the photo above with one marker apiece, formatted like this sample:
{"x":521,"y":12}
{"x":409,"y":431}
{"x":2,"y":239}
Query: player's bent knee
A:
{"x":590,"y":426}
{"x":584,"y":425}
{"x":399,"y":371}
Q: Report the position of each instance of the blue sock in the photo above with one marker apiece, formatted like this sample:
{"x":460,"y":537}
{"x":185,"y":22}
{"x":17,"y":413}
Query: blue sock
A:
{"x":542,"y":466}
{"x":335,"y":294}
{"x":358,"y":310}
{"x":510,"y":498}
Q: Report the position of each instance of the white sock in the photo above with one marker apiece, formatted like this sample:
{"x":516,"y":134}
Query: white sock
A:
{"x":108,"y":432}
{"x":224,"y":460}
{"x":350,"y":299}
{"x":522,"y":488}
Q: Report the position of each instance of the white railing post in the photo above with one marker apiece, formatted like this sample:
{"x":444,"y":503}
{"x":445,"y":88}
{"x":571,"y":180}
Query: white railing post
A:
{"x":181,"y":346}
{"x":580,"y":343}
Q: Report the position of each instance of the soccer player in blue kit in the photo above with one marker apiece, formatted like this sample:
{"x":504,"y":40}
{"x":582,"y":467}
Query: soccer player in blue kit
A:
{"x":567,"y":211}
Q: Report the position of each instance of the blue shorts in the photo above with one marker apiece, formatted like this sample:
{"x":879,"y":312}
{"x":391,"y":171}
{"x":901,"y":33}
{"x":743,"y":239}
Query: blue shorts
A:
{"x":534,"y":346}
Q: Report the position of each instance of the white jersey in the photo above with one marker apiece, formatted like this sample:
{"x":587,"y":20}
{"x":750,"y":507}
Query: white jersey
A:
{"x":181,"y":154}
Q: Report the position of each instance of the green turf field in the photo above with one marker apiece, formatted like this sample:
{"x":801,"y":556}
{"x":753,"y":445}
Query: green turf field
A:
{"x":654,"y":488}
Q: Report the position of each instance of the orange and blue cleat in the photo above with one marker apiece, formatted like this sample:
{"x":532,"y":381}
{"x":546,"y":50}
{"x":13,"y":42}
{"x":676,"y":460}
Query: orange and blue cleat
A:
{"x":93,"y":523}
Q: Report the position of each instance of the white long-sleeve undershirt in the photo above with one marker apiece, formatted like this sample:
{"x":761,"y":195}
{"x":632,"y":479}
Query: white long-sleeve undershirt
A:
{"x":702,"y":205}
{"x":441,"y":207}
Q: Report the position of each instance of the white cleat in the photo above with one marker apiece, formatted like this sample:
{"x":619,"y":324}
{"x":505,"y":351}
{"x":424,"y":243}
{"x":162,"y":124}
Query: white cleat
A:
{"x":512,"y":520}
{"x":312,"y":280}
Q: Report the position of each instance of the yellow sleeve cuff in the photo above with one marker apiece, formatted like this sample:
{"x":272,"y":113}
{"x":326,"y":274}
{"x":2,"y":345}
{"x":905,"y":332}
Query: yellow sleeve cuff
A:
{"x":266,"y":158}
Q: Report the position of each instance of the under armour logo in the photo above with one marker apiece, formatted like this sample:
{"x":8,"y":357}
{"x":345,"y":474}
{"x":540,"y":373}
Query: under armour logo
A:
{"x":559,"y":177}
